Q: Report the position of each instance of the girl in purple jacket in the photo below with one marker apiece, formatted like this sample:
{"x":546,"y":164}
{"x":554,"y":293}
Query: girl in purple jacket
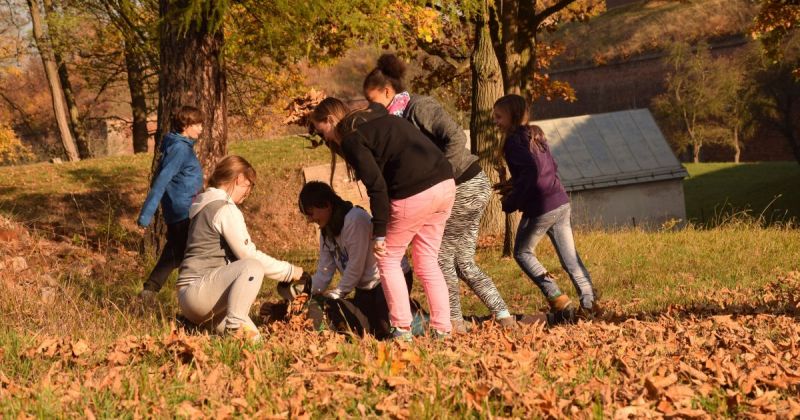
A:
{"x":536,"y":191}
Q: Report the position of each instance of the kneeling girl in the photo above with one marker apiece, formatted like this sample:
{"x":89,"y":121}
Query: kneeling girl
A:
{"x":345,"y":245}
{"x":222,"y":271}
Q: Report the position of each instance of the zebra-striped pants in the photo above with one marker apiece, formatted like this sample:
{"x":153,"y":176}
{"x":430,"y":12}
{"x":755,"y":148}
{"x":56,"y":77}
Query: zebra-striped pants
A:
{"x":457,"y":253}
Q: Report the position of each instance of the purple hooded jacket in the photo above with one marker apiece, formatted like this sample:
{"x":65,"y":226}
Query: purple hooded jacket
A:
{"x":534,"y":176}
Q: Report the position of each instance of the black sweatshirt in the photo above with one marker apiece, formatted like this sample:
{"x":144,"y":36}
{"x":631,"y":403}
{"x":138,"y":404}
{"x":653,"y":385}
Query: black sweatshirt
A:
{"x":394,"y":160}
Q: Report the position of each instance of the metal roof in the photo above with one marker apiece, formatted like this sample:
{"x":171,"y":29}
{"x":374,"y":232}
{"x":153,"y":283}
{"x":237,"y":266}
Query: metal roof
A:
{"x":615,"y":148}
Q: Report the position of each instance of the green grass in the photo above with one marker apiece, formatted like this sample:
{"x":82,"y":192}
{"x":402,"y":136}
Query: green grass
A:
{"x":769,"y":190}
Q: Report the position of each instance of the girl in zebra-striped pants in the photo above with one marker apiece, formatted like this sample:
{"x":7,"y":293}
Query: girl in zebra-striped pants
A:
{"x":384,"y":85}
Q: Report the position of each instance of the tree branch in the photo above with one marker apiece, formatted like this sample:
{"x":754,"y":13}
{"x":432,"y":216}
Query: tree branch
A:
{"x":547,"y":12}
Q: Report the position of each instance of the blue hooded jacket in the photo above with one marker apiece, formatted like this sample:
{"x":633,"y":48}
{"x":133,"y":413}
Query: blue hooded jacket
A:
{"x":178,"y":180}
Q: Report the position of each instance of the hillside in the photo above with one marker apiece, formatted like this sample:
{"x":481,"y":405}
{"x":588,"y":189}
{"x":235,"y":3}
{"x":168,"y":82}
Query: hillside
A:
{"x":649,"y":26}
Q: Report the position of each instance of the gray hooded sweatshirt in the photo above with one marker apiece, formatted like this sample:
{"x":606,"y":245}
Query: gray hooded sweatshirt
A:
{"x":218,"y":236}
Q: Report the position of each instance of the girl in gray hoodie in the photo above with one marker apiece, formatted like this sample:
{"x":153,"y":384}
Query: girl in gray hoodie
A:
{"x":222,"y":271}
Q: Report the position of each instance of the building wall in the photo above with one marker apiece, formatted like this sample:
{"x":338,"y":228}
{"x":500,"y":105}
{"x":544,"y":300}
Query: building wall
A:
{"x":648,"y":205}
{"x":633,"y":84}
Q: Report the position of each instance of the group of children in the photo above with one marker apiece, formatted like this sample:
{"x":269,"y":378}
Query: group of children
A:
{"x":425,"y":189}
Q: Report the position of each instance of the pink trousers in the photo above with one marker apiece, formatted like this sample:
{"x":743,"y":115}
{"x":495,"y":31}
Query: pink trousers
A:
{"x":418,"y":220}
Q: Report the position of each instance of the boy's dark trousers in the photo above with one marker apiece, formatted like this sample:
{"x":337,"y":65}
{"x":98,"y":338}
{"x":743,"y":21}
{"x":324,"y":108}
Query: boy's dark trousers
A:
{"x":372,"y":304}
{"x":171,"y":256}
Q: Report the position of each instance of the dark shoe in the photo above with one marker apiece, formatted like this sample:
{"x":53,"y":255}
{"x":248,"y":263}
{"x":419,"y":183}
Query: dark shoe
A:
{"x":148,"y":298}
{"x":184,"y":323}
{"x":589,"y":314}
{"x":562,"y":317}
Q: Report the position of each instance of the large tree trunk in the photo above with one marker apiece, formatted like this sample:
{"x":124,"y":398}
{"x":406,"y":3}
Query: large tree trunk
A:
{"x":51,"y":72}
{"x":516,"y":46}
{"x":487,"y":87}
{"x":136,"y":87}
{"x":192,"y":73}
{"x":519,"y":23}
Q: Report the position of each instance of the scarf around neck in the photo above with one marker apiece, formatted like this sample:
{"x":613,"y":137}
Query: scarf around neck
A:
{"x":399,"y":104}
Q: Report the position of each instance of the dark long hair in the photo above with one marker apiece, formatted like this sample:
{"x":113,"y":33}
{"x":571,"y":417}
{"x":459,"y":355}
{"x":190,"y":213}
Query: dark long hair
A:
{"x":351,"y":122}
{"x":331,"y":107}
{"x":391,"y":70}
{"x":319,"y":194}
{"x":517,"y":108}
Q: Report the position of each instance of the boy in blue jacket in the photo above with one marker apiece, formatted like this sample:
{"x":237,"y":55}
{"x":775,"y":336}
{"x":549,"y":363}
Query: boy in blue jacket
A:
{"x":178,"y":180}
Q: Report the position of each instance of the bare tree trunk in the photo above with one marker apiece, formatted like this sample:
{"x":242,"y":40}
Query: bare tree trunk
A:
{"x":696,"y":152}
{"x":487,"y":87}
{"x":75,"y":123}
{"x":736,"y":146}
{"x":192,"y":73}
{"x":51,"y":72}
{"x":81,"y":140}
{"x":516,"y":48}
{"x":136,"y":85}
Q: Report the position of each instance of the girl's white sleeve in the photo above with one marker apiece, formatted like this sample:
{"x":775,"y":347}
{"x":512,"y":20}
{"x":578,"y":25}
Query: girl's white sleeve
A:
{"x":229,"y":222}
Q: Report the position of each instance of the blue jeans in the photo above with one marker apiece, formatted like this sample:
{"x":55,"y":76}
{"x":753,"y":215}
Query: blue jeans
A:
{"x":556,"y":224}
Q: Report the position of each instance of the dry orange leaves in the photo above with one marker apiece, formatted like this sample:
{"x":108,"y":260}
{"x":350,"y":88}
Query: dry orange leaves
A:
{"x":739,"y":359}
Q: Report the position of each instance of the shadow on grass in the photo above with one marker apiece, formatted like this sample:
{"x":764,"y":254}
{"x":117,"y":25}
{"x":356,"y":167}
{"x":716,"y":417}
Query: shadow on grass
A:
{"x":706,"y":310}
{"x":717,"y":192}
{"x":91,"y":216}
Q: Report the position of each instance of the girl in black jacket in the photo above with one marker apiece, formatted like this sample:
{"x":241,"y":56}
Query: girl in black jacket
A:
{"x":384,"y":85}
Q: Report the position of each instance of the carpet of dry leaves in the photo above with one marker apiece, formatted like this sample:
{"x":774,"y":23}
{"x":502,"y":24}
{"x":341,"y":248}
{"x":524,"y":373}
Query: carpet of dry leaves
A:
{"x":686,"y":363}
{"x":735,"y":354}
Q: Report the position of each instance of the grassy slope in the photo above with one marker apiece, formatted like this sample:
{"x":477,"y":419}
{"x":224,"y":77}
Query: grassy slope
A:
{"x":94,"y":204}
{"x":647,"y":26}
{"x":75,"y":200}
{"x":94,"y":262}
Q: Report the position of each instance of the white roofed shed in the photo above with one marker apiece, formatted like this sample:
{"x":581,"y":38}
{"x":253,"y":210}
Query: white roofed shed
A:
{"x":618,"y":169}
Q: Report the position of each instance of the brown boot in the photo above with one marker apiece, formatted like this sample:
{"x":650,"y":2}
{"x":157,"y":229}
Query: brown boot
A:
{"x":560,"y":303}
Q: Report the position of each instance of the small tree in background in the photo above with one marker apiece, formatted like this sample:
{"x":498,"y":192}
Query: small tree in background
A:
{"x":691,"y":101}
{"x":738,"y":95}
{"x":44,"y":45}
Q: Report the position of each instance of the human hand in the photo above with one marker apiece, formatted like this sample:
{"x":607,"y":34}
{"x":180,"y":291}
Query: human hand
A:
{"x":379,"y":247}
{"x":297,"y":274}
